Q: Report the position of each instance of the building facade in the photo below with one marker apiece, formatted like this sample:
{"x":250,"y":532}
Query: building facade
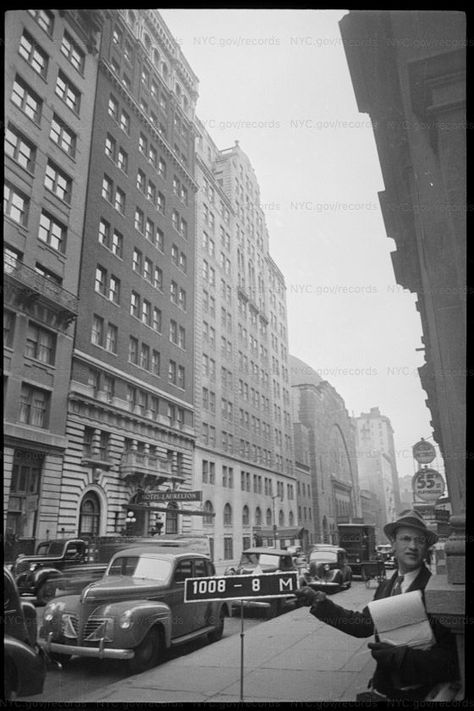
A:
{"x":130,"y":422}
{"x":50,"y":75}
{"x":374,"y":436}
{"x":333,"y":463}
{"x":243,"y":460}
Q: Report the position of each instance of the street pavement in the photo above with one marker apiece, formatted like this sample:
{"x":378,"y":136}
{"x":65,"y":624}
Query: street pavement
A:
{"x":293,"y":657}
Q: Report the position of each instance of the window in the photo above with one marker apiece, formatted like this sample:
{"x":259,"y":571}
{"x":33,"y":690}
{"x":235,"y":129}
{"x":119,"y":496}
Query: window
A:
{"x":162,"y":168}
{"x":110,"y":240}
{"x":161,"y":203}
{"x":155,"y":362}
{"x":113,"y":107}
{"x":97,"y":335}
{"x":119,"y":200}
{"x":133,"y":350}
{"x":44,"y":18}
{"x":114,"y":289}
{"x":122,"y":160}
{"x":158,"y":278}
{"x":74,"y":54}
{"x":208,"y":509}
{"x":20,"y":148}
{"x":172,"y":372}
{"x":141,"y":181}
{"x":52,"y":232}
{"x":134,"y":304}
{"x":110,"y":146}
{"x":107,"y":188}
{"x":145,"y":356}
{"x":227,"y":515}
{"x":34,"y":54}
{"x":58,"y":182}
{"x":245,"y":516}
{"x":63,"y":136}
{"x":89,"y":515}
{"x":15,"y":204}
{"x":101,"y":280}
{"x":156,"y":319}
{"x":142,"y":144}
{"x":8,"y":328}
{"x":146,"y":312}
{"x":27,"y":100}
{"x":139,"y":220}
{"x":111,"y":336}
{"x":137,"y":261}
{"x":125,"y":122}
{"x":68,"y":92}
{"x":34,"y":406}
{"x":40,"y":344}
{"x":153,"y":156}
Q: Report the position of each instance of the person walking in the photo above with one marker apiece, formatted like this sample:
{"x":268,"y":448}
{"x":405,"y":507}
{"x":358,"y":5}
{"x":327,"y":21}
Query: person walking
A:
{"x":402,"y":672}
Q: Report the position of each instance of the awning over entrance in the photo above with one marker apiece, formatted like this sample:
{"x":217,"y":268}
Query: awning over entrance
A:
{"x":281,"y":532}
{"x":164,"y":509}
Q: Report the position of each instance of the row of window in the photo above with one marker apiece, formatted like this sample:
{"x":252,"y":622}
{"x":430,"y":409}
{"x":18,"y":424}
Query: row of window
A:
{"x":105,"y":383}
{"x":40,"y":343}
{"x":227,"y":514}
{"x":16,"y":206}
{"x":33,"y":53}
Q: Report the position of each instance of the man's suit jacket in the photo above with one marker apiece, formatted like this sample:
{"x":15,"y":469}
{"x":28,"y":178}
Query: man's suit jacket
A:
{"x":406,"y":666}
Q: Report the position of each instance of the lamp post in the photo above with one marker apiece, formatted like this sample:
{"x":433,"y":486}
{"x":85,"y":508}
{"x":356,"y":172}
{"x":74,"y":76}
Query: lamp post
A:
{"x":274,"y":520}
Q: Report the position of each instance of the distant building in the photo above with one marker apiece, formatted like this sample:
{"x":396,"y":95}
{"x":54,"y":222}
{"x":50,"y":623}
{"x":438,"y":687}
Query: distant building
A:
{"x":332,"y":454}
{"x":369,"y":507}
{"x":375,"y":434}
{"x":406,"y":492}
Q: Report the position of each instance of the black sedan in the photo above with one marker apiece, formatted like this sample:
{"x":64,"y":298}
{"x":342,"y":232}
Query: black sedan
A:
{"x":327,"y":570}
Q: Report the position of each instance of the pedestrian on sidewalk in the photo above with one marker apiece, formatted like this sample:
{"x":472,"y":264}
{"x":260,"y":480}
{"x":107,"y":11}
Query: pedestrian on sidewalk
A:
{"x":402,"y":672}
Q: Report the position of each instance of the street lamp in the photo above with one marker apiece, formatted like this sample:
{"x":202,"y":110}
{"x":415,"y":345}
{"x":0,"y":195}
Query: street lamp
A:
{"x":129,"y":521}
{"x":275,"y":496}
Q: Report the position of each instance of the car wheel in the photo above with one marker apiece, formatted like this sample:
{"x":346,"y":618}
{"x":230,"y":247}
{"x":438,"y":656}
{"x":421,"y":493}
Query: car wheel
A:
{"x":218,"y":631}
{"x":46,"y":592}
{"x":148,"y":653}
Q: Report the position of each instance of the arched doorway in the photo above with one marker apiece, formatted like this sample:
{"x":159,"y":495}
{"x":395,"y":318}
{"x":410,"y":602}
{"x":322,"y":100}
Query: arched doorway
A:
{"x":89,"y":516}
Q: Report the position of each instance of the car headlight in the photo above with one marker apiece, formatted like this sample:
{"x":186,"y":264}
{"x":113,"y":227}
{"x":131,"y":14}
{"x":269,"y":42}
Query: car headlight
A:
{"x":326,"y":567}
{"x":125,"y":620}
{"x":52,"y":608}
{"x":33,"y":566}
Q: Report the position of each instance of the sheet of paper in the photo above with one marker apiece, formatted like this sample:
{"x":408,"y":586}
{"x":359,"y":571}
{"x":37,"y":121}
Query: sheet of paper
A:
{"x":402,"y":619}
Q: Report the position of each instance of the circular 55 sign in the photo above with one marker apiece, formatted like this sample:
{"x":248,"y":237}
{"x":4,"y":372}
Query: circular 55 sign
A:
{"x":428,"y":484}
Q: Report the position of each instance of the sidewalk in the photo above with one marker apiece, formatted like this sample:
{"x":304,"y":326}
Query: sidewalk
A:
{"x":293,"y":657}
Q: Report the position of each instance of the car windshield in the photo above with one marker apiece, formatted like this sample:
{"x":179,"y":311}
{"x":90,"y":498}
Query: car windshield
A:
{"x":141,"y":567}
{"x":324,"y":557}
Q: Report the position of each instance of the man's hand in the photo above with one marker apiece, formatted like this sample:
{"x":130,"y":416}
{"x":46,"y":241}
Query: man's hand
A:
{"x":387,"y":655}
{"x":307,"y":596}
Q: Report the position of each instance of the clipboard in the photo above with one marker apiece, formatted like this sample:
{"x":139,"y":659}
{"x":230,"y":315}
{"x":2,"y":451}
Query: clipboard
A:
{"x":402,"y":620}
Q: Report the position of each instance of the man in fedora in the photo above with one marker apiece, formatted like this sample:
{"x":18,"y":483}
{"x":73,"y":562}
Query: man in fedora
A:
{"x":402,"y":672}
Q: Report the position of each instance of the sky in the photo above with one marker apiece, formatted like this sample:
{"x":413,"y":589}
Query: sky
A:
{"x":278,"y":82}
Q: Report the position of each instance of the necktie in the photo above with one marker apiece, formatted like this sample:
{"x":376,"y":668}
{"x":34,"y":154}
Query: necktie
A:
{"x":397,"y":588}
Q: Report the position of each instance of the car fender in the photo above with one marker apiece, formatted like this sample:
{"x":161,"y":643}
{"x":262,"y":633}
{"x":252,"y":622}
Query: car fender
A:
{"x":145,"y":615}
{"x":43,"y":574}
{"x":28,"y":664}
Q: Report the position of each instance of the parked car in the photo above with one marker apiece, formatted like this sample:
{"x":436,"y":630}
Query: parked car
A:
{"x":24,"y":662}
{"x":328,"y":569}
{"x":264,"y":560}
{"x":135,"y":612}
{"x":43,"y":573}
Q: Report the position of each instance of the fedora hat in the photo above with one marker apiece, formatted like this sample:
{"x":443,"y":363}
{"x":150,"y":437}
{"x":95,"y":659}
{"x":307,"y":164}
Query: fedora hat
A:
{"x":414,"y":520}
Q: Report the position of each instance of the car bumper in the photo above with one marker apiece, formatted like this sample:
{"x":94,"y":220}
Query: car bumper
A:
{"x":100,"y":652}
{"x":263,"y":603}
{"x":326,"y":585}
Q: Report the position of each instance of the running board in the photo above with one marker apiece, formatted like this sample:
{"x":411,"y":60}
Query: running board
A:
{"x":193,"y":635}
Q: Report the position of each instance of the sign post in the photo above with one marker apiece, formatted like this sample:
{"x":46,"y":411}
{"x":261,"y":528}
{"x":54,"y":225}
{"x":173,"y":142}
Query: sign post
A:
{"x":241,"y":587}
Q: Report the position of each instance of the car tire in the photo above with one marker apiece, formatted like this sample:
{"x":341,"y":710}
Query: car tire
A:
{"x":46,"y":592}
{"x":148,"y":653}
{"x":218,"y":631}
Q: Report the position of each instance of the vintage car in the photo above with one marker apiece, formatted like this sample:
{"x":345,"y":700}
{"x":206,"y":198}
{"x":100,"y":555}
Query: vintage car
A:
{"x":24,"y":661}
{"x":327,"y":570}
{"x":264,"y":560}
{"x":43,"y":573}
{"x":135,"y":612}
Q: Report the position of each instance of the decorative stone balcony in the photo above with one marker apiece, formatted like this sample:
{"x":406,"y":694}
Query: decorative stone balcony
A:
{"x":141,"y":469}
{"x":30,"y":286}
